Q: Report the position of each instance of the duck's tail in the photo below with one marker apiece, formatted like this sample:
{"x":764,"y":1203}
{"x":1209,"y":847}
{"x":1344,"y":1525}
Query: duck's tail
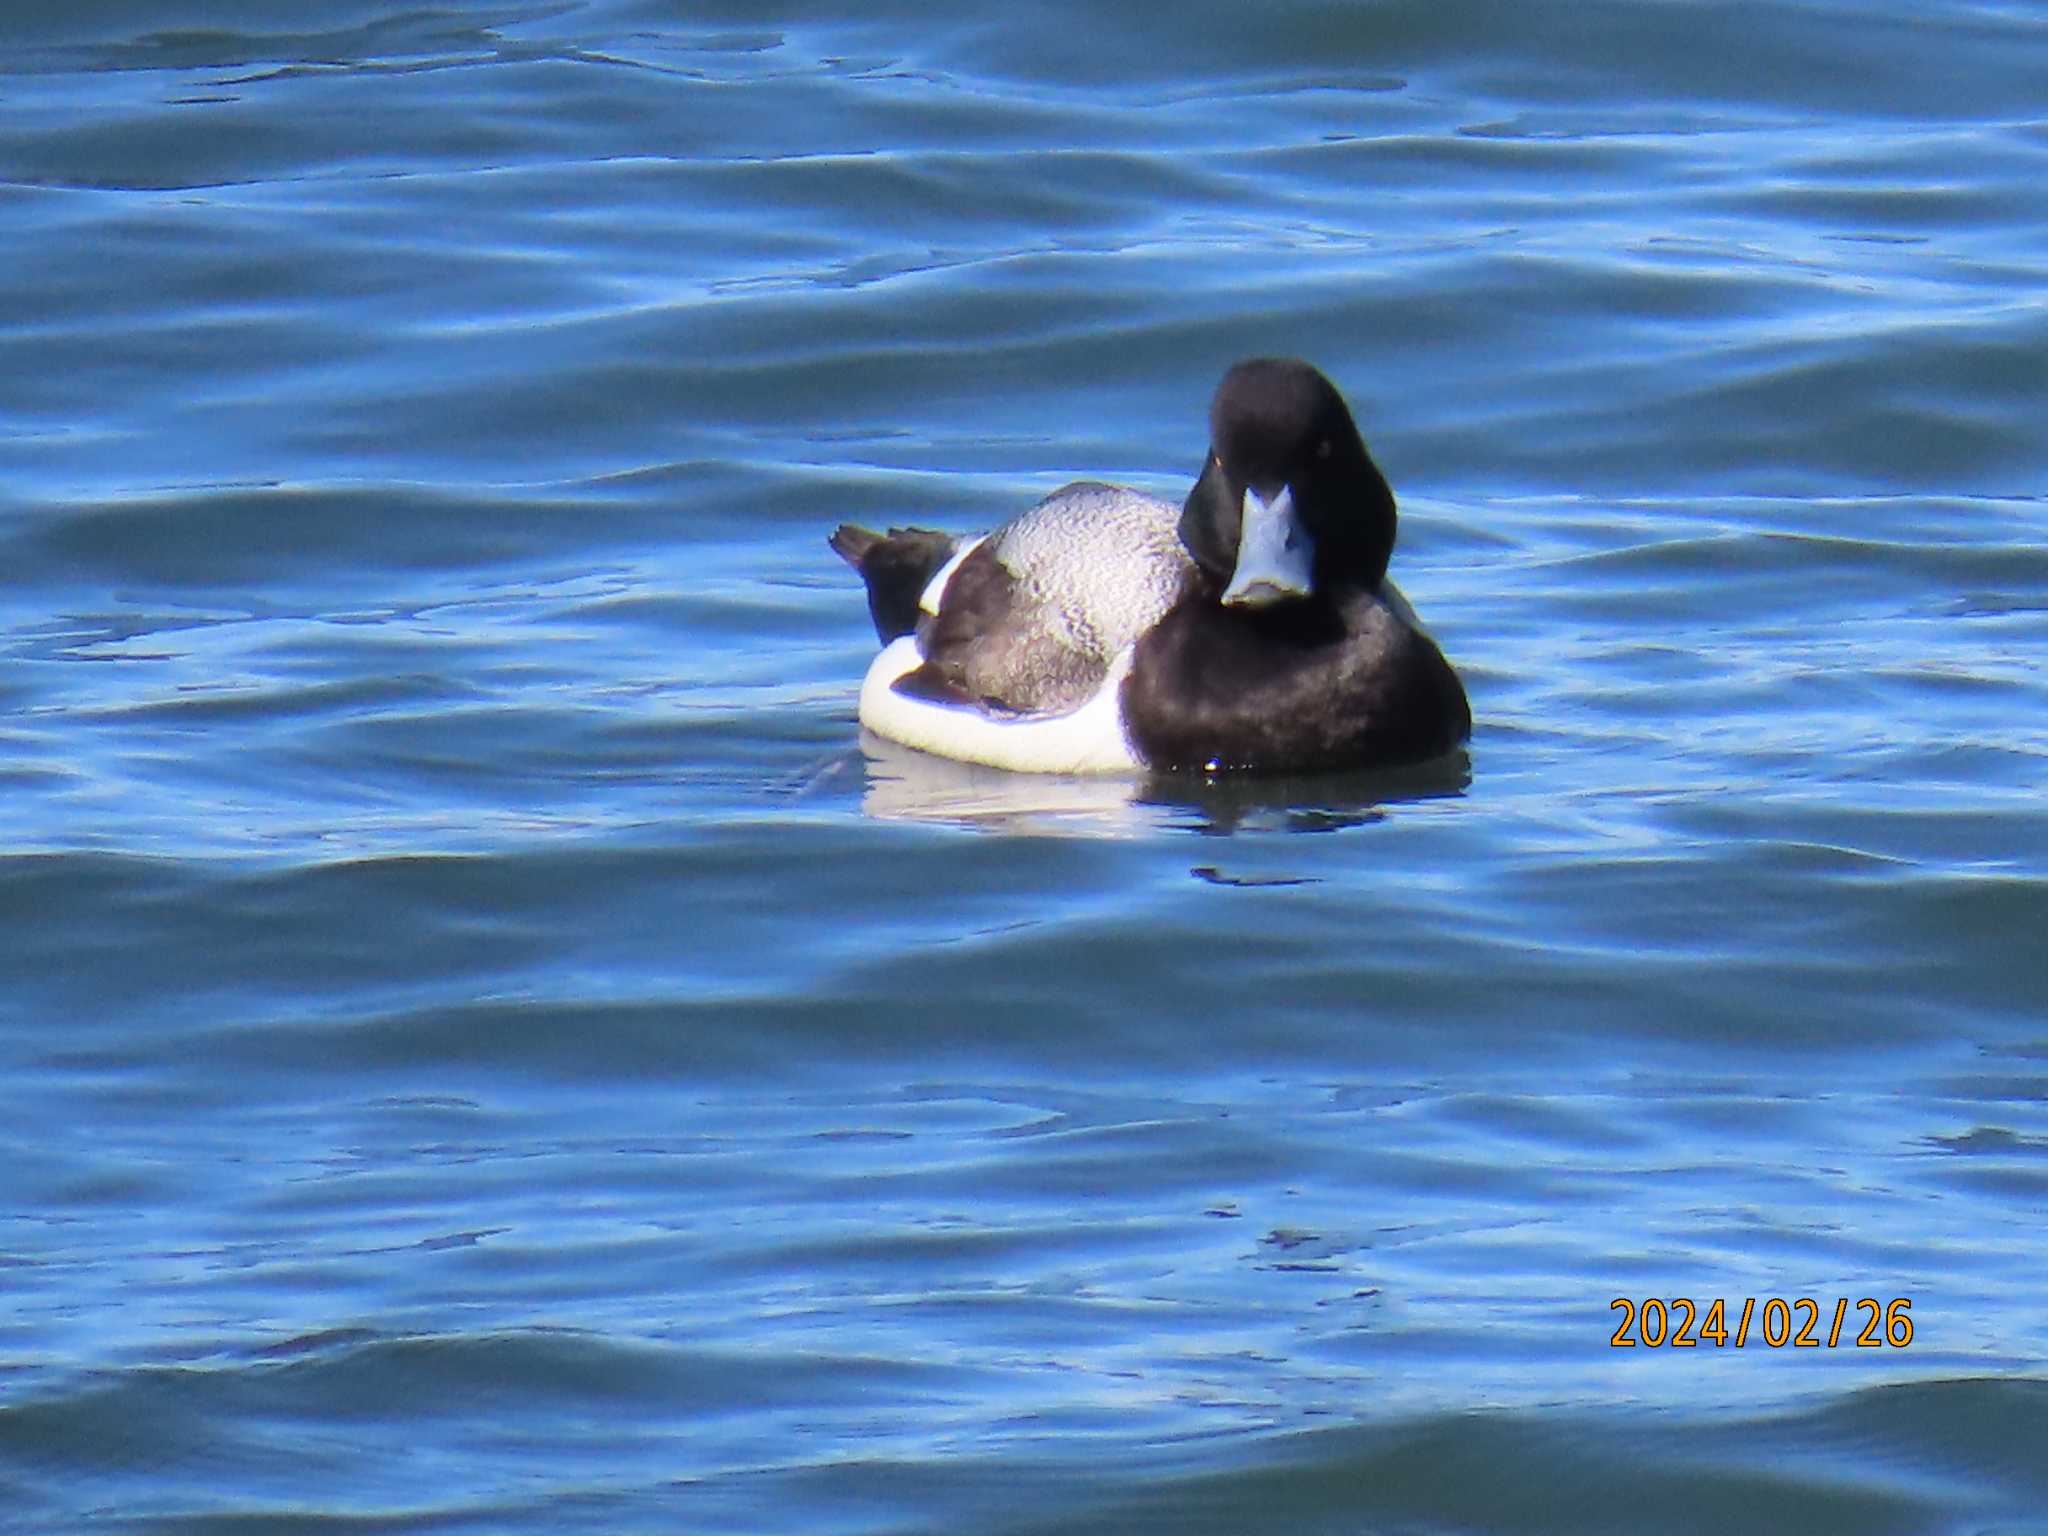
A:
{"x":896,"y":566}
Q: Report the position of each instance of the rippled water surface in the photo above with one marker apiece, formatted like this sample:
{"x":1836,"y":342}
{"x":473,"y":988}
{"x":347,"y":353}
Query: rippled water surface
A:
{"x":488,"y":1048}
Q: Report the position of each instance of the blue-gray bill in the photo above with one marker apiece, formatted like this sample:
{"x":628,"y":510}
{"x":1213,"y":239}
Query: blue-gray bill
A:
{"x":1275,"y":554}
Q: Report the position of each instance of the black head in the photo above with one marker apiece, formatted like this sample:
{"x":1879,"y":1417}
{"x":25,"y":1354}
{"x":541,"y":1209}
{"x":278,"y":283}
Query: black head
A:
{"x":1277,"y":424}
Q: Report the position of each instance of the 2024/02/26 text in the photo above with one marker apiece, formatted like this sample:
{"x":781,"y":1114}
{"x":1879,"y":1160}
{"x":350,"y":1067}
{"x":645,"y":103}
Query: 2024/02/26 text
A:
{"x":1681,"y":1323}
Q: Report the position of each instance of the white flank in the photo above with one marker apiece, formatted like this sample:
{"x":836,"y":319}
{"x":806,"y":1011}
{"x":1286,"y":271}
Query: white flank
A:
{"x":1089,"y":740}
{"x":935,"y":589}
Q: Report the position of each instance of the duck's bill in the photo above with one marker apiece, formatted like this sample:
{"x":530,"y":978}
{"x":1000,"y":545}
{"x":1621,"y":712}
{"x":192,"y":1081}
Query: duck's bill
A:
{"x":1275,"y":555}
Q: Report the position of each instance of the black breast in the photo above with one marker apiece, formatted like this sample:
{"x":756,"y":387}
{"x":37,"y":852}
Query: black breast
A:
{"x":1301,"y":687}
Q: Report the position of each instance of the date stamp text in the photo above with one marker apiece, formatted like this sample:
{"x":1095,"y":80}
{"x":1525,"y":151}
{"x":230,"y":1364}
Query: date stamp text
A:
{"x":1776,"y":1323}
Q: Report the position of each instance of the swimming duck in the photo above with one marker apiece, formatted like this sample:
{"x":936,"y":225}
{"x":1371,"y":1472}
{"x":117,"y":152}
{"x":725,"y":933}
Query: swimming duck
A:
{"x":1105,"y":630}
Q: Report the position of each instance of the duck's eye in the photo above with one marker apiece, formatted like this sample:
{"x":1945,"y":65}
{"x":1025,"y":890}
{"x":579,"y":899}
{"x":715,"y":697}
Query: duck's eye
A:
{"x":1323,"y":449}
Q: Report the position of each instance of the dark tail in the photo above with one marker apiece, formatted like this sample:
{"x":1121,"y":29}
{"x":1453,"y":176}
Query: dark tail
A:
{"x":896,"y":566}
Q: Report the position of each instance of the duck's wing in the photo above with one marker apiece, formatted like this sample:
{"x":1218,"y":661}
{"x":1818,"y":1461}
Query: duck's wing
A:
{"x":1030,"y":620}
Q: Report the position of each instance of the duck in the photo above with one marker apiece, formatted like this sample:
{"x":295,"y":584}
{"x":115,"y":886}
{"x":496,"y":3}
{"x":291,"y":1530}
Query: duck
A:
{"x":1250,"y":629}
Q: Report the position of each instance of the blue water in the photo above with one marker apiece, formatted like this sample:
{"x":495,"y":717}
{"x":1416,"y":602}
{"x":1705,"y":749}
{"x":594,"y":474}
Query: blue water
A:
{"x":486,"y":1045}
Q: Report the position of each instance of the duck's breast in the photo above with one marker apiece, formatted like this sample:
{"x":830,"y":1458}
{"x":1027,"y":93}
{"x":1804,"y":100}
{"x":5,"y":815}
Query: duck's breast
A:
{"x":1353,"y":683}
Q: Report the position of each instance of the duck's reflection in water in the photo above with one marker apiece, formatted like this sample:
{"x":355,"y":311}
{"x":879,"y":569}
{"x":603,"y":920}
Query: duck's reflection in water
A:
{"x":906,"y":785}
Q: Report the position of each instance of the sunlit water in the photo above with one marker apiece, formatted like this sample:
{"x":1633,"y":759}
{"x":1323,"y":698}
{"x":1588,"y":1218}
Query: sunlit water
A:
{"x":487,"y":1047}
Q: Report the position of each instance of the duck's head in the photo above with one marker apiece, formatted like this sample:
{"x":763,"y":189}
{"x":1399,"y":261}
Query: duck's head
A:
{"x":1289,"y":502}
